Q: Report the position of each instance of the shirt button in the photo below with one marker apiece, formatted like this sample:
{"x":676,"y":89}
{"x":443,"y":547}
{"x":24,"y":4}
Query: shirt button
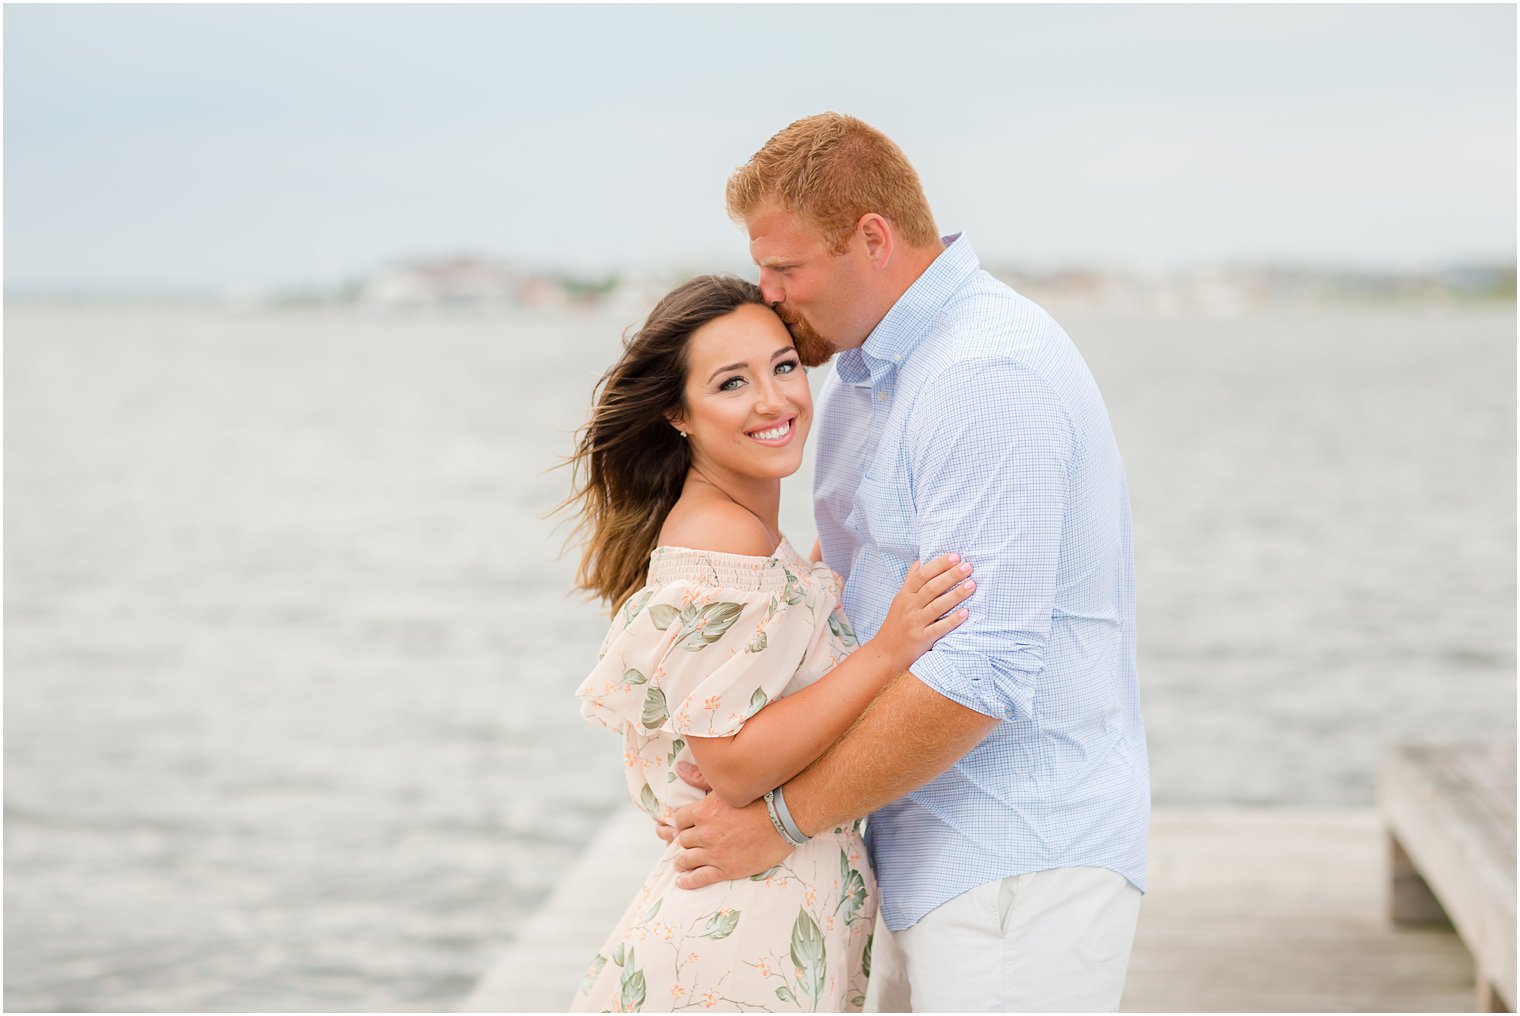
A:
{"x":898,"y":358}
{"x":881,"y":396}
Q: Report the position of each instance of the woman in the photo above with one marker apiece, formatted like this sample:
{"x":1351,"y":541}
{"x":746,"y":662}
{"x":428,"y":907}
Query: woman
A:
{"x":728,"y":649}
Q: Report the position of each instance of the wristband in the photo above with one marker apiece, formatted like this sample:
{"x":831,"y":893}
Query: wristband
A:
{"x":794,"y":831}
{"x":775,"y":807}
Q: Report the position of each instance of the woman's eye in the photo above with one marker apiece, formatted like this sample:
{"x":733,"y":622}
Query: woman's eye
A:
{"x":787,"y":366}
{"x":731,"y":384}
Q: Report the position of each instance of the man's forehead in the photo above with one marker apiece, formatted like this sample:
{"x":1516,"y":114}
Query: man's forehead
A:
{"x":776,"y":236}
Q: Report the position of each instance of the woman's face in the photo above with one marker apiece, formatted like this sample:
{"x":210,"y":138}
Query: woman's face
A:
{"x":748,"y":407}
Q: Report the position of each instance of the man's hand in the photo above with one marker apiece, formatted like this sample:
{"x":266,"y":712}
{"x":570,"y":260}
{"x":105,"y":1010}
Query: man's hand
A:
{"x":722,"y":842}
{"x":692,"y":777}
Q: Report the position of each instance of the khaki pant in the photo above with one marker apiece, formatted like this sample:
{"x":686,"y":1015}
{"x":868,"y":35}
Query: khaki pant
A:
{"x":1049,"y":941}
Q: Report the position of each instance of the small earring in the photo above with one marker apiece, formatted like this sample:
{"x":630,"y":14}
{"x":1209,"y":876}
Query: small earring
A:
{"x":681,"y":432}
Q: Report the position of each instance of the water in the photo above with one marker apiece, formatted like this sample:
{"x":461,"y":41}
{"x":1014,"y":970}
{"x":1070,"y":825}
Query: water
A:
{"x":289,"y":654}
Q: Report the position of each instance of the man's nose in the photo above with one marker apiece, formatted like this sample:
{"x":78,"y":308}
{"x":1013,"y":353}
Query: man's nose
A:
{"x":770,"y":288}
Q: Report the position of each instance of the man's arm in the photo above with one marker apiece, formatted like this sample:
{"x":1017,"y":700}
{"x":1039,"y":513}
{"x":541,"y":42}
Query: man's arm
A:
{"x":908,"y":736}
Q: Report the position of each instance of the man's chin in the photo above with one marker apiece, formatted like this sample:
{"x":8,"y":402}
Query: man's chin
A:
{"x":812,"y":349}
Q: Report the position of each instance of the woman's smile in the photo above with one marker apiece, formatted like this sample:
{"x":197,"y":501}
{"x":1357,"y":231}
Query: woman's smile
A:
{"x":776,"y":434}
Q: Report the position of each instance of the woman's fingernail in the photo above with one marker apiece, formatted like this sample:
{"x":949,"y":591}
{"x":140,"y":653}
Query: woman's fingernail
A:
{"x":966,"y":567}
{"x":953,"y":557}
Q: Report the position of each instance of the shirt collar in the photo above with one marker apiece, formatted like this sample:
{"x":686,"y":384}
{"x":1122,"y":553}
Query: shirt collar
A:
{"x":904,"y":325}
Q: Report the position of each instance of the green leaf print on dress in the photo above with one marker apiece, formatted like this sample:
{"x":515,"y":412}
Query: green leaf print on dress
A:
{"x":852,"y":889}
{"x":632,"y":677}
{"x":757,"y":702}
{"x":592,"y":974}
{"x":663,"y":615}
{"x":793,"y":593}
{"x":842,"y":630}
{"x":808,"y":955}
{"x":721,"y":925}
{"x":709,"y":625}
{"x":634,"y":605}
{"x":655,"y":710}
{"x":632,"y":985}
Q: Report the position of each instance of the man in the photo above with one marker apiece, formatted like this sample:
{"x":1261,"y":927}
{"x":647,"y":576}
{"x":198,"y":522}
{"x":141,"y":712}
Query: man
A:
{"x":1005,"y":773}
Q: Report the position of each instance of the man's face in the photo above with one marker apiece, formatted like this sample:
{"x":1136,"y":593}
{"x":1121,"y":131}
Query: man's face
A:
{"x":817,"y":293}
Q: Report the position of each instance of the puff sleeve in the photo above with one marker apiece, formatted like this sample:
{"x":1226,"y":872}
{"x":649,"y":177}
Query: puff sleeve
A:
{"x":703,"y":647}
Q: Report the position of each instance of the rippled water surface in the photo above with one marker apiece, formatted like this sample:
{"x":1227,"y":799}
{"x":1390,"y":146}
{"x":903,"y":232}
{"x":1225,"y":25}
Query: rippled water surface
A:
{"x":289,"y":657}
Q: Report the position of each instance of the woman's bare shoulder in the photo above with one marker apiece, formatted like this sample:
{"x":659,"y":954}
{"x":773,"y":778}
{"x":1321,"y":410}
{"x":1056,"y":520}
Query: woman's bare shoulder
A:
{"x":716,"y":524}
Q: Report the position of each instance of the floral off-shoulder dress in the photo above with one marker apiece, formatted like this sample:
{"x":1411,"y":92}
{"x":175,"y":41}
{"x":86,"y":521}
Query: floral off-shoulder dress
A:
{"x":701,"y":648}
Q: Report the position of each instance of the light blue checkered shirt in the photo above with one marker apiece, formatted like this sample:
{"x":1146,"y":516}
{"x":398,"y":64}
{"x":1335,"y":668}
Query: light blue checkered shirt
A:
{"x":968,"y":422}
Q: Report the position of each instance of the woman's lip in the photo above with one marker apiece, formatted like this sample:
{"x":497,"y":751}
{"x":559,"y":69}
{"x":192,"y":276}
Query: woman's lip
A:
{"x":791,"y":429}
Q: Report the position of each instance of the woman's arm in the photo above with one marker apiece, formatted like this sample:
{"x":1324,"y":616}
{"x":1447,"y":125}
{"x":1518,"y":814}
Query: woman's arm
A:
{"x":786,"y":736}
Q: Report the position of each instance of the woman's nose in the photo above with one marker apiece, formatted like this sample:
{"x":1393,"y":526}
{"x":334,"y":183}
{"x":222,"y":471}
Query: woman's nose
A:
{"x":769,"y":398}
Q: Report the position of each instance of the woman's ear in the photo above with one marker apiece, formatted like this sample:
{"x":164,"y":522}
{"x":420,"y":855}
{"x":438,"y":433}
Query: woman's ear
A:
{"x":677,"y":421}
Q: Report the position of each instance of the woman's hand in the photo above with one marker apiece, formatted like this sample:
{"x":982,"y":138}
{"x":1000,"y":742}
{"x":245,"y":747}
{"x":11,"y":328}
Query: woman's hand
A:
{"x":925,"y":608}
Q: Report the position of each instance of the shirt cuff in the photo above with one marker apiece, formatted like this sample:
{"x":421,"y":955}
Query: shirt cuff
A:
{"x":940,"y":673}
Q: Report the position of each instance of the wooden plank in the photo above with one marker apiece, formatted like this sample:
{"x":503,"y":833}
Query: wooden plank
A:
{"x":1249,"y":910}
{"x":1410,"y":900}
{"x":1451,"y":809}
{"x":1281,"y":910}
{"x":544,"y":965}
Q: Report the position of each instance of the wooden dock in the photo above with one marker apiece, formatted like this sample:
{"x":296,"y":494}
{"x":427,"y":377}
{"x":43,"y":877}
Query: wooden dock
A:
{"x":1450,"y":812}
{"x":1249,"y":910}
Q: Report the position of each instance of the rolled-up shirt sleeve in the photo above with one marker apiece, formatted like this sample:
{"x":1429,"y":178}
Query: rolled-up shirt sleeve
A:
{"x":992,"y":484}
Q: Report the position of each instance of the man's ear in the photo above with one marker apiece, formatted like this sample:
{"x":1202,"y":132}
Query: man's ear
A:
{"x":876,"y":234}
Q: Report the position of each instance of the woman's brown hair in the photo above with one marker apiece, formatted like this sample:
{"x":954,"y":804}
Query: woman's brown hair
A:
{"x":629,"y":463}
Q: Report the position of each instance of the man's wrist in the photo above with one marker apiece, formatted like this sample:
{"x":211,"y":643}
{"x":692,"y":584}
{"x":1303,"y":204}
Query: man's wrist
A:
{"x":794,"y":831}
{"x":781,"y":819}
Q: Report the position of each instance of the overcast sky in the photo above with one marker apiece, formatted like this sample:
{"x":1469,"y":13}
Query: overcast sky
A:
{"x":225,"y":147}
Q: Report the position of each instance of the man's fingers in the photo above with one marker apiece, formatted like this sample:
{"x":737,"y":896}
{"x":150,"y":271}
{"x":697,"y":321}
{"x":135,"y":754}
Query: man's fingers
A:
{"x":685,"y":817}
{"x":692,"y":858}
{"x":698,"y":878}
{"x":686,"y":837}
{"x":692,"y":775}
{"x":665,"y":831}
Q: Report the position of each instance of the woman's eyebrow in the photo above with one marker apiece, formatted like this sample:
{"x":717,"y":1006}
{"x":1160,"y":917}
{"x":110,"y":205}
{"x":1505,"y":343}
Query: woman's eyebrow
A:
{"x":780,"y":351}
{"x":731,"y":366}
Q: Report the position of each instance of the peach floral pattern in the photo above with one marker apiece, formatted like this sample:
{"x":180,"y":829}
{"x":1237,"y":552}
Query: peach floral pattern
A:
{"x":709,"y":642}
